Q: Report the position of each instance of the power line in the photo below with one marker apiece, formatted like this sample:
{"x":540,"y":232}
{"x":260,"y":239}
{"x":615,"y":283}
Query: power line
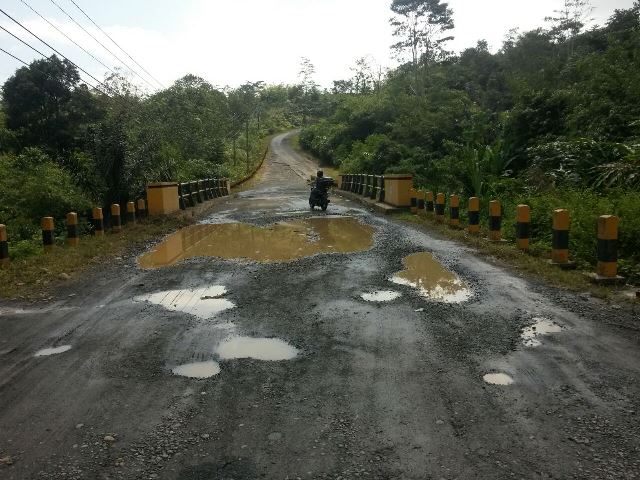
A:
{"x":62,"y":55}
{"x":68,"y":37}
{"x":116,"y":44}
{"x":100,"y":43}
{"x":14,"y":57}
{"x":41,"y":71}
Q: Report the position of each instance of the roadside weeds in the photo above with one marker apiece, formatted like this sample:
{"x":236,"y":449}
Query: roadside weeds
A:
{"x":535,"y":262}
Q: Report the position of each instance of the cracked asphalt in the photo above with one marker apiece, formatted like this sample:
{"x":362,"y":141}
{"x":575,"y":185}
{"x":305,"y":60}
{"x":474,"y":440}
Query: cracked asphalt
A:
{"x":379,"y":390}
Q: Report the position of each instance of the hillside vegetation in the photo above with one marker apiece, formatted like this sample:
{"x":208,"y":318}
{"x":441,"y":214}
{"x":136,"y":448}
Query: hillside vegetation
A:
{"x":552,"y":120}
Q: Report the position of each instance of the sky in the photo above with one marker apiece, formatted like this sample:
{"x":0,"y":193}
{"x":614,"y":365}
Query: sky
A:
{"x":231,"y":42}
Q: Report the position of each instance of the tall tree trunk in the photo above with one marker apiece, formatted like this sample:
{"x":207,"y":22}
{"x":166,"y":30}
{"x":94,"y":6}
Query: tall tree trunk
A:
{"x":247,"y":142}
{"x":235,"y":151}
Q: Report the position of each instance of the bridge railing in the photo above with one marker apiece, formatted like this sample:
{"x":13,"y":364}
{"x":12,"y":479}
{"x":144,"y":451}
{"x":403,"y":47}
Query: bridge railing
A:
{"x":369,"y":186}
{"x":193,"y":193}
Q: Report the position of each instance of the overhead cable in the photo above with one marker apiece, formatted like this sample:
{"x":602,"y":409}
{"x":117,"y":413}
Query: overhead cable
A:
{"x":117,"y":45}
{"x":100,"y":43}
{"x":68,"y":37}
{"x":41,"y":71}
{"x":41,"y":40}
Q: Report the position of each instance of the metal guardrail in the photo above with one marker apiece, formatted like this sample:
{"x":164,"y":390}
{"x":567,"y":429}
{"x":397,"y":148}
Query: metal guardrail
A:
{"x":370,"y":186}
{"x":193,"y":193}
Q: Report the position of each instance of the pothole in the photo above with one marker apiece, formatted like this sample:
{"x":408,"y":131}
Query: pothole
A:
{"x":381,"y":296}
{"x":204,"y":303}
{"x":543,"y":326}
{"x":52,"y":351}
{"x":198,"y":369}
{"x":268,"y":349}
{"x":432,"y":279}
{"x":498,"y":379}
{"x":280,"y":242}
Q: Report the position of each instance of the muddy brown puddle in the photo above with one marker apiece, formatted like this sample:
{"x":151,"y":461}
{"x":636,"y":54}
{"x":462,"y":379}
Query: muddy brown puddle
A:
{"x":432,"y":279}
{"x":280,"y":242}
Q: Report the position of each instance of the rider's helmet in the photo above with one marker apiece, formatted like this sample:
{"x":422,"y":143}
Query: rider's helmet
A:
{"x":320,"y":174}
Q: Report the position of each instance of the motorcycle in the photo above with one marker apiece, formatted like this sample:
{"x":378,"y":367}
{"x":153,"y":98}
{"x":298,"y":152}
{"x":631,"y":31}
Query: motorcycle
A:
{"x":319,"y":196}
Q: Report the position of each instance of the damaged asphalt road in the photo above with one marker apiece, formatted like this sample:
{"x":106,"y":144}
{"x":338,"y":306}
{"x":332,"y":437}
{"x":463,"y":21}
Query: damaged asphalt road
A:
{"x":338,"y":386}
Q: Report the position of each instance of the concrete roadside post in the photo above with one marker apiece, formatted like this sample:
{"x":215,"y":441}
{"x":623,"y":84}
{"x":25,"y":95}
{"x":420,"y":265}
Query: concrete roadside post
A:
{"x":560,"y":241}
{"x":474,"y":216}
{"x":429,"y":203}
{"x":440,"y":207}
{"x":142,"y":208}
{"x":523,"y":227}
{"x":454,"y":211}
{"x":131,"y":213}
{"x":495,"y":221}
{"x":48,"y":238}
{"x":72,"y":229}
{"x":607,"y":270}
{"x":421,"y":201}
{"x":97,"y":221}
{"x":413,"y":194}
{"x":116,"y":221}
{"x":4,"y":247}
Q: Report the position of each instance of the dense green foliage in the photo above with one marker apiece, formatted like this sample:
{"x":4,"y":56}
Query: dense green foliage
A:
{"x":64,"y":148}
{"x":551,"y":119}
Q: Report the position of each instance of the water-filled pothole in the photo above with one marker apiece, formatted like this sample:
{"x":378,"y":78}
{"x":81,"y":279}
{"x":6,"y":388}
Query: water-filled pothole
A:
{"x":432,"y":279}
{"x":279,"y":242}
{"x":198,"y":369}
{"x":498,"y":379}
{"x":204,"y":302}
{"x":268,"y":349}
{"x":381,"y":296}
{"x":543,"y":326}
{"x":52,"y":351}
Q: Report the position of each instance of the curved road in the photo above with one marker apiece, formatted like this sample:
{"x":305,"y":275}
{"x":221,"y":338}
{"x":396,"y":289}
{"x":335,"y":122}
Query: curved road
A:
{"x":377,"y":390}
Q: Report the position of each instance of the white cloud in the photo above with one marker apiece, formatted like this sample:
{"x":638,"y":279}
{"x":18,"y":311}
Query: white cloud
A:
{"x":228,"y":43}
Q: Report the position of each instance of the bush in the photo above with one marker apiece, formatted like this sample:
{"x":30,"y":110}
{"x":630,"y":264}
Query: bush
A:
{"x":35,"y":187}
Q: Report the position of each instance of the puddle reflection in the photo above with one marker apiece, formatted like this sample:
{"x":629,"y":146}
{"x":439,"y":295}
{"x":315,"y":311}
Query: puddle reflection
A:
{"x":279,"y":242}
{"x":198,"y":370}
{"x":432,"y":279}
{"x":203,"y":303}
{"x":381,"y":296}
{"x":498,"y":379}
{"x":268,"y":349}
{"x":52,"y":351}
{"x":543,"y":326}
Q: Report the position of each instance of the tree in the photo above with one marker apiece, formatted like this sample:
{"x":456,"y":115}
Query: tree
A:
{"x":47,"y":106}
{"x":421,"y":26}
{"x":569,"y":20}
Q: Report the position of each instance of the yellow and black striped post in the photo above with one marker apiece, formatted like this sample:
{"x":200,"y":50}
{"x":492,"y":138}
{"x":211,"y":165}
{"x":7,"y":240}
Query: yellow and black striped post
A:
{"x":429,"y":202}
{"x":474,"y":216}
{"x":72,"y":229}
{"x":454,"y":211}
{"x":4,"y":247}
{"x":495,"y":221}
{"x":131,"y":213}
{"x":142,"y":208}
{"x":523,"y":227}
{"x":440,"y":207}
{"x":48,"y":237}
{"x":421,"y":200}
{"x":608,"y":248}
{"x":560,"y":241}
{"x":98,"y":221}
{"x":116,"y":221}
{"x":414,"y":200}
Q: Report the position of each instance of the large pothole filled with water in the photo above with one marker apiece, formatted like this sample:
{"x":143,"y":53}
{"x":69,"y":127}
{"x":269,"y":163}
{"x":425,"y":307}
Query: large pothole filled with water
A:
{"x":280,"y":242}
{"x":424,"y":273}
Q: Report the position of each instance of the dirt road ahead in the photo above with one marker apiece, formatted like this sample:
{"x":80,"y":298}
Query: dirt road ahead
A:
{"x":339,"y":386}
